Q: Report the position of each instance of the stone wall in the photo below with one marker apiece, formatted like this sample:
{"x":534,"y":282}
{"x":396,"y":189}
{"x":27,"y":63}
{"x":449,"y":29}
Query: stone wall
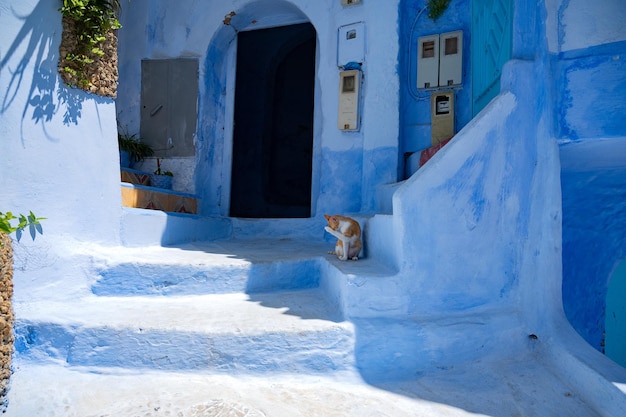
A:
{"x":6,"y":314}
{"x":102,"y":73}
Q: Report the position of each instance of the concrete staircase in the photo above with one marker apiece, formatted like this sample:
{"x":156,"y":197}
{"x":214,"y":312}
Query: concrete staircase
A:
{"x":248,"y":305}
{"x":268,"y":326}
{"x":215,"y":307}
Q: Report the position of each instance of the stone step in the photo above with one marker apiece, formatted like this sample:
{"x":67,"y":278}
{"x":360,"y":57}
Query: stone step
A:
{"x":283,"y":332}
{"x":134,"y":176}
{"x":139,"y":191}
{"x":151,"y":198}
{"x":288,"y":332}
{"x":211,"y":267}
{"x":224,"y":266}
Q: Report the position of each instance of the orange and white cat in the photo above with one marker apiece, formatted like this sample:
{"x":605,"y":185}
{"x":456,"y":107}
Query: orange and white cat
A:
{"x":348,"y":234}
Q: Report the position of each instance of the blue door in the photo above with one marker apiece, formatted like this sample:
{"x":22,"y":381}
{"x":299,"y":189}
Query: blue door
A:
{"x":492,"y":27}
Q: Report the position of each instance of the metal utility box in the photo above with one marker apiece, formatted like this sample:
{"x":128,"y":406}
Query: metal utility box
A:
{"x":440,"y":60}
{"x":349,"y":86}
{"x":169,"y":105}
{"x":428,"y":61}
{"x":442,"y":116}
{"x":451,"y":58}
{"x":351,"y":44}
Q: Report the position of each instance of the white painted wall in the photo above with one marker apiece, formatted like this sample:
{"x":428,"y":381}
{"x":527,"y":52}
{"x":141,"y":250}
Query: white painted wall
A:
{"x":58,"y":146}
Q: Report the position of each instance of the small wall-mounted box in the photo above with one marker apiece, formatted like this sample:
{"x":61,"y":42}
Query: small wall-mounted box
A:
{"x":351,"y":44}
{"x":451,"y":58}
{"x":442,"y":116}
{"x":348,"y":112}
{"x":440,"y":60}
{"x":428,"y":61}
{"x":350,"y":2}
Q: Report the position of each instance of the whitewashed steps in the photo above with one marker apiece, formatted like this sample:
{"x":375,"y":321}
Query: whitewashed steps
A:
{"x":282,"y":332}
{"x":223,"y":266}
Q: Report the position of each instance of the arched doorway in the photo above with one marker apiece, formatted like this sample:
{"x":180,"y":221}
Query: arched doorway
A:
{"x":273,"y":122}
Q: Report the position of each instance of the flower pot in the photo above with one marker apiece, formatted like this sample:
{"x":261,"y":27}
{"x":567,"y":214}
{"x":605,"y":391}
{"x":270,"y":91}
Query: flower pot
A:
{"x":161,"y":181}
{"x":124,"y":159}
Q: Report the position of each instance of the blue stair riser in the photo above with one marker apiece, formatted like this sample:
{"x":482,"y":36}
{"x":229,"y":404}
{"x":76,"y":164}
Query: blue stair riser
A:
{"x":310,"y":352}
{"x":150,"y":279}
{"x":379,"y":349}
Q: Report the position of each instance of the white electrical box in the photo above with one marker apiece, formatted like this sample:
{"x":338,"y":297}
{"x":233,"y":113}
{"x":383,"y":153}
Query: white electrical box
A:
{"x":442,"y":116}
{"x":440,"y":60}
{"x":428,"y":61}
{"x":349,"y":86}
{"x":351,"y":44}
{"x":450,"y":58}
{"x":350,"y":2}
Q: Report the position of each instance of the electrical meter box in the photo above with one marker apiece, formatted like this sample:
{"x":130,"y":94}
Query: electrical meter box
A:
{"x":428,"y":61}
{"x":349,"y":86}
{"x":442,"y":116}
{"x":351,"y":44}
{"x":440,"y":60}
{"x":450,"y":58}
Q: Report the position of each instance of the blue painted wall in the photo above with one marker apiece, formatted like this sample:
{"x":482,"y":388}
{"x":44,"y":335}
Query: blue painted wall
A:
{"x":347,"y":166}
{"x":592,"y":83}
{"x":589,"y":73}
{"x":415,"y":117}
{"x":594,"y":229}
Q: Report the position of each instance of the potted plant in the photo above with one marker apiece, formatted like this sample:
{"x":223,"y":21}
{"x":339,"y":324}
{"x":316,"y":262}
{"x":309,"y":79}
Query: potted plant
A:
{"x":132,"y":150}
{"x":161,"y":178}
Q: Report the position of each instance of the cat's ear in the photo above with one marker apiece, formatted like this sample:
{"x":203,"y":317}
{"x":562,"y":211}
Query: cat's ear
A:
{"x":327,"y":217}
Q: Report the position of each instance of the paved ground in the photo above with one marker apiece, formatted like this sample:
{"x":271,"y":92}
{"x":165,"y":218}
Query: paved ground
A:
{"x":504,"y":389}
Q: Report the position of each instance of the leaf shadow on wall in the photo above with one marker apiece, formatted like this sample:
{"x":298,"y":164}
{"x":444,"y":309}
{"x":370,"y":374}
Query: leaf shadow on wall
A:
{"x":40,"y":55}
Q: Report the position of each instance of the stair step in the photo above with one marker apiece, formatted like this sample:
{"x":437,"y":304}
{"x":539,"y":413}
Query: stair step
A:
{"x":298,"y":332}
{"x":134,"y":176}
{"x":274,"y":332}
{"x":214,"y":267}
{"x":141,"y":196}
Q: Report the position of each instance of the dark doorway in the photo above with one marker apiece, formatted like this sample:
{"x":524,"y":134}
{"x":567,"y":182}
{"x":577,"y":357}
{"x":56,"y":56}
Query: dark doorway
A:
{"x":273,"y":131}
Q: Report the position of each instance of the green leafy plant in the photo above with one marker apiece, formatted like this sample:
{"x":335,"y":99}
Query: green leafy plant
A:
{"x":160,"y":172}
{"x":436,"y":8}
{"x":92,"y":20}
{"x":138,"y":150}
{"x":8,"y":226}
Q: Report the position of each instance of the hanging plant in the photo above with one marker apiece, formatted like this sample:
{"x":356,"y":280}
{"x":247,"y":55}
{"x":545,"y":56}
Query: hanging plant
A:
{"x":88,"y":42}
{"x":436,"y":8}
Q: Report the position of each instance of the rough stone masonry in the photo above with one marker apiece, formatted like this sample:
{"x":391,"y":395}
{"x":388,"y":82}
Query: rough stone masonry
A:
{"x":6,"y":314}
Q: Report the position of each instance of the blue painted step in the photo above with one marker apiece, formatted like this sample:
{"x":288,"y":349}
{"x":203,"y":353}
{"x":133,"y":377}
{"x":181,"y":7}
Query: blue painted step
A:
{"x":149,"y":279}
{"x":218,"y":267}
{"x":213,"y":333}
